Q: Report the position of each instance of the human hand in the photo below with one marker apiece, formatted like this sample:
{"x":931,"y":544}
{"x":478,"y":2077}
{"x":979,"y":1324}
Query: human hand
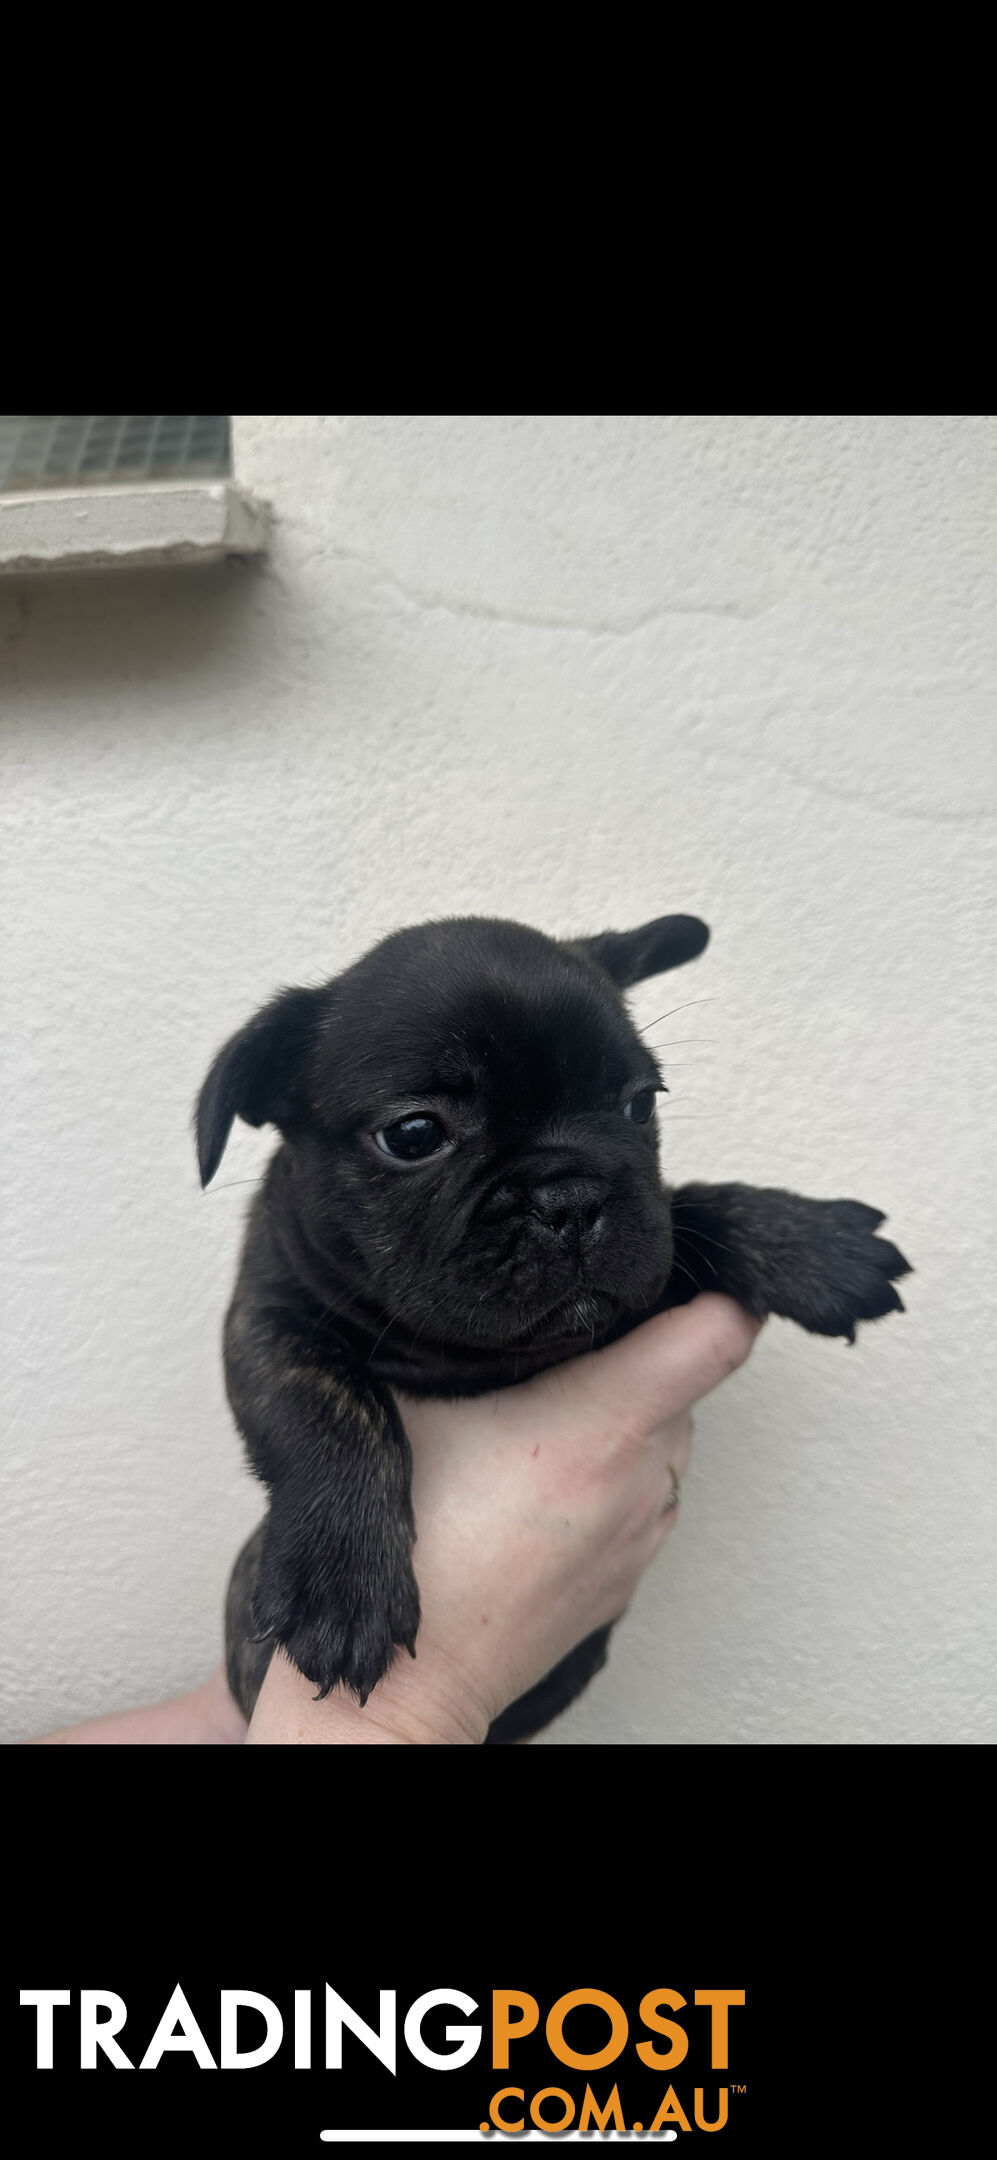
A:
{"x":537,"y":1510}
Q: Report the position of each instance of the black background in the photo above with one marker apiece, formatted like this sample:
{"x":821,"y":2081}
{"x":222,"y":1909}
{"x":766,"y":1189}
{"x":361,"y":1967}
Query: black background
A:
{"x":783,"y":1872}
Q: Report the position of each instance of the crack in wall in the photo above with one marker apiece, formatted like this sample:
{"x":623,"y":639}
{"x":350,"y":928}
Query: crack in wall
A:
{"x":830,"y":791}
{"x":481,"y":610}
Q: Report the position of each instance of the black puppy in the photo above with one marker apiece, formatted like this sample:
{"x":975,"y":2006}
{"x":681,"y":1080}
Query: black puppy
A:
{"x":468,"y":1192}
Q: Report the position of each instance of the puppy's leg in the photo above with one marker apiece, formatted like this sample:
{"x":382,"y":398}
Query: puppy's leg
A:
{"x":333,"y":1572}
{"x":818,"y":1262}
{"x":246,"y":1657}
{"x":544,"y":1702}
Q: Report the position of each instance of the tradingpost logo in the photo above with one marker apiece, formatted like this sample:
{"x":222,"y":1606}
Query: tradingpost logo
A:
{"x":582,"y":2063}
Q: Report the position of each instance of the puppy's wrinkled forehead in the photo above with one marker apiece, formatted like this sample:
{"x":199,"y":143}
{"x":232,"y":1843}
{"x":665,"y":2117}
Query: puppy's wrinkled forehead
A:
{"x":444,"y":1008}
{"x":458,"y":1007}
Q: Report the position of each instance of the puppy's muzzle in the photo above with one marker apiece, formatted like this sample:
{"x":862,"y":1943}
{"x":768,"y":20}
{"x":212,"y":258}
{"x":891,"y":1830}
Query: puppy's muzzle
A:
{"x":572,"y":1212}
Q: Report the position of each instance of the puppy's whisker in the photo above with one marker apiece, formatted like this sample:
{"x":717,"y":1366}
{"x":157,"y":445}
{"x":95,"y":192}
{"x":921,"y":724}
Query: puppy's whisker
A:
{"x":674,"y":1009}
{"x":384,"y":1331}
{"x":231,"y":1183}
{"x":685,"y":1232}
{"x":419,"y":1331}
{"x":688,"y":1231}
{"x":474,"y":1308}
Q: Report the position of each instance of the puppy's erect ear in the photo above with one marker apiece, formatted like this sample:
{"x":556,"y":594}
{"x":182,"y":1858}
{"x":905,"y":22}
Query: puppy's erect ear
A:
{"x":257,"y":1076}
{"x":630,"y":955}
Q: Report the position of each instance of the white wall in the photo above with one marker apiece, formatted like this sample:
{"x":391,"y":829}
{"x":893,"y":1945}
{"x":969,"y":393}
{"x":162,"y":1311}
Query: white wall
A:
{"x":579,"y":671}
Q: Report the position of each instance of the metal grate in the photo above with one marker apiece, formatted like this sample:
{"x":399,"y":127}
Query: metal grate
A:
{"x":83,"y":450}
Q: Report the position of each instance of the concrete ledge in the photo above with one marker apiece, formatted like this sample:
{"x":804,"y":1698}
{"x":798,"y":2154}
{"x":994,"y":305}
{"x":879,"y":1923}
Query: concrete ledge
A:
{"x":180,"y":521}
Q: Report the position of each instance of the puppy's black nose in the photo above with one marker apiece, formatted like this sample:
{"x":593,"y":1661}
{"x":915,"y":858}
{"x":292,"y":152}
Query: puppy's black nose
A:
{"x":574,"y":1209}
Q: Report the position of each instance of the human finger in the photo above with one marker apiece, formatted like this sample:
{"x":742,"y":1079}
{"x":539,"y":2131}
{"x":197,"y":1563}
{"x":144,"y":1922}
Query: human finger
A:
{"x":674,"y":1359}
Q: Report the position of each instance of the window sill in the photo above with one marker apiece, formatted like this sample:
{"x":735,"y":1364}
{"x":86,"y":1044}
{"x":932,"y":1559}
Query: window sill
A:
{"x":184,"y":521}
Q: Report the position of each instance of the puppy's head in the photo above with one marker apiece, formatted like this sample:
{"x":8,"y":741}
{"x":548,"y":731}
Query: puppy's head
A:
{"x":470,"y":1115}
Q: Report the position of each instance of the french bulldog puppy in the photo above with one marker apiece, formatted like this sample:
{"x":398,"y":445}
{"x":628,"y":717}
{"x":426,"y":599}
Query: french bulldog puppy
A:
{"x":467,"y":1192}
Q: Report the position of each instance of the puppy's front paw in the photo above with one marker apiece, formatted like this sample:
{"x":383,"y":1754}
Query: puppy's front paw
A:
{"x":341,"y":1627}
{"x":844,"y":1272}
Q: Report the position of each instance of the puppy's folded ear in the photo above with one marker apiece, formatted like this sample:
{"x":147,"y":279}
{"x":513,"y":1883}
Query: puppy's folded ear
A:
{"x":257,"y":1076}
{"x":630,"y":955}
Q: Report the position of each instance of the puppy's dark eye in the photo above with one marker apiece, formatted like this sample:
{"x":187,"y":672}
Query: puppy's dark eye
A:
{"x":411,"y":1138}
{"x":641,"y":1106}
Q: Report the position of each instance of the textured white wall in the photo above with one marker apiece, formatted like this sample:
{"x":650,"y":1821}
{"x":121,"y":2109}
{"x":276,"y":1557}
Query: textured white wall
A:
{"x":580,"y":671}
